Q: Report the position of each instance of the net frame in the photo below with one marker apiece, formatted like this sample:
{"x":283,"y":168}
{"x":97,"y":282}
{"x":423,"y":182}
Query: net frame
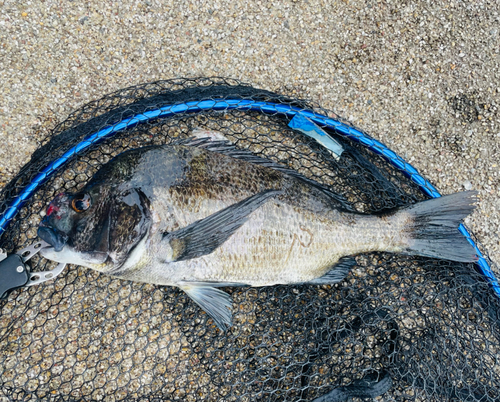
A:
{"x":231,"y":95}
{"x":338,"y":126}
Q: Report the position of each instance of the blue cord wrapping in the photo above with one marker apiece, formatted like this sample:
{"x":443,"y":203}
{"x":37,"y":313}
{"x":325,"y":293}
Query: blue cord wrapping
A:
{"x":243,"y":105}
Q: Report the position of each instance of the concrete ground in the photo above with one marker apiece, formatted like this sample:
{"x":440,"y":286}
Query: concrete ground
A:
{"x":422,"y":78}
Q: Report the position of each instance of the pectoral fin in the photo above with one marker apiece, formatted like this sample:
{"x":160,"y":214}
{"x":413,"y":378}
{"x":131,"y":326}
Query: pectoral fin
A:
{"x":204,"y":236}
{"x":216,"y":303}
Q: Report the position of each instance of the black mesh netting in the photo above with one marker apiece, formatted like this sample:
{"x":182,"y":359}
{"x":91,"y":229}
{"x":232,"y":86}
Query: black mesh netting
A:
{"x":416,"y":329}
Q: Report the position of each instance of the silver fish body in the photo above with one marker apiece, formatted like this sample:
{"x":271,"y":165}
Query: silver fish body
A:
{"x":202,"y":215}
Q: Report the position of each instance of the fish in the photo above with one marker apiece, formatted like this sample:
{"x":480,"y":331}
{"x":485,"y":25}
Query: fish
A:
{"x":201,"y":214}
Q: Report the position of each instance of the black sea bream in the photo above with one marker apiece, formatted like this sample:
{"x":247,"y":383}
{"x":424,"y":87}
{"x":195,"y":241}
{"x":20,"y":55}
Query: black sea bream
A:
{"x":201,"y":214}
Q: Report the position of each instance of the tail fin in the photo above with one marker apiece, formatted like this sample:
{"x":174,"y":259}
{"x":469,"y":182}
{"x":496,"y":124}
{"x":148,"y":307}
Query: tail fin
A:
{"x":434,"y":230}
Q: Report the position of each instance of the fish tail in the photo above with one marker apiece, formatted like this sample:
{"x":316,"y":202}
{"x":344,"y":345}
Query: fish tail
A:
{"x":431,"y":227}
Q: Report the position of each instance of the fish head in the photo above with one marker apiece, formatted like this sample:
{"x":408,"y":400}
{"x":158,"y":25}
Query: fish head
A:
{"x":96,"y":227}
{"x":74,"y":229}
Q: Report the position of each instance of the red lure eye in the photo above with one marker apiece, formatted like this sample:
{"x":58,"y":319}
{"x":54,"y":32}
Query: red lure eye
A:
{"x":51,"y":209}
{"x":81,"y":202}
{"x":54,"y":206}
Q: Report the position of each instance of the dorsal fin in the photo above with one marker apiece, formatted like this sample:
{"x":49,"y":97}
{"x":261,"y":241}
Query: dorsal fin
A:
{"x":229,"y":149}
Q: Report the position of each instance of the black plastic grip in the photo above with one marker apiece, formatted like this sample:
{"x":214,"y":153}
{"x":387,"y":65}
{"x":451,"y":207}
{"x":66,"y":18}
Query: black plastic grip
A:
{"x":13,"y":275}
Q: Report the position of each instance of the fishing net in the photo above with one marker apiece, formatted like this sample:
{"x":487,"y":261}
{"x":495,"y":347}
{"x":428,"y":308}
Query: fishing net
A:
{"x":398,"y":328}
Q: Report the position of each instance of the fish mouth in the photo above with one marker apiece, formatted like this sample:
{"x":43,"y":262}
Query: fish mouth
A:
{"x":55,"y":238}
{"x":68,"y":255}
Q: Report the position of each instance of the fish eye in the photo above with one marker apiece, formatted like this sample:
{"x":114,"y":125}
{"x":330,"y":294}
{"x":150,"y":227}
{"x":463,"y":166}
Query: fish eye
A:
{"x":81,"y":202}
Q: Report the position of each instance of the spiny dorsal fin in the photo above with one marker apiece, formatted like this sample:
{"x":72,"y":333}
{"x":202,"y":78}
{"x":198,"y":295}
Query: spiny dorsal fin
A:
{"x":229,"y":149}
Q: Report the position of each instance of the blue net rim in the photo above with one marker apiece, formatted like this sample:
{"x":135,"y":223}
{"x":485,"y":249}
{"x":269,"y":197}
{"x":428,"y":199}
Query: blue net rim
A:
{"x":270,"y":108}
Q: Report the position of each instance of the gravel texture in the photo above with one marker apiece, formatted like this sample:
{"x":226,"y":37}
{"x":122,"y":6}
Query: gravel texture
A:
{"x":422,"y":78}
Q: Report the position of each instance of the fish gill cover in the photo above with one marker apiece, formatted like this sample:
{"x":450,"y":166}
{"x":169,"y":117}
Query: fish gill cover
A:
{"x":397,"y":328}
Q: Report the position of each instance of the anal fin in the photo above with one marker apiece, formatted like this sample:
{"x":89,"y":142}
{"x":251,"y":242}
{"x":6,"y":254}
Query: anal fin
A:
{"x":337,"y":273}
